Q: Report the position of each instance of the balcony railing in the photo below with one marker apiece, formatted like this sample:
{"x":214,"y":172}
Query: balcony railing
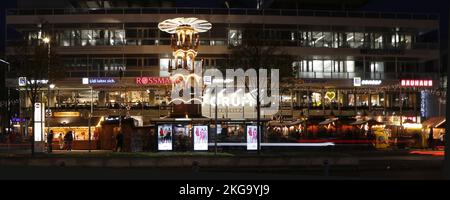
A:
{"x":381,"y":76}
{"x":224,"y":42}
{"x":224,"y":11}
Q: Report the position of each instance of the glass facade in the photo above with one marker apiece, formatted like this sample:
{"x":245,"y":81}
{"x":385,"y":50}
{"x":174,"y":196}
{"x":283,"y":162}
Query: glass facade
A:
{"x":148,"y":34}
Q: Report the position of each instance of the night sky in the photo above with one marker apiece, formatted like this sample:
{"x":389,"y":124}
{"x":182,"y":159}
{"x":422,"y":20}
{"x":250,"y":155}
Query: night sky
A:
{"x":428,"y":6}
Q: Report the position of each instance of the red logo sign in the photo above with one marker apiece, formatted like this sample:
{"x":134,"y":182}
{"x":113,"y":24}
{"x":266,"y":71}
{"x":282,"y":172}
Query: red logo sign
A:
{"x":416,"y":83}
{"x":153,"y":81}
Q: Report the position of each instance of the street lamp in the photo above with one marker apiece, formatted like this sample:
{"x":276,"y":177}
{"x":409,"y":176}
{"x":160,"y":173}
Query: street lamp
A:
{"x":46,"y":41}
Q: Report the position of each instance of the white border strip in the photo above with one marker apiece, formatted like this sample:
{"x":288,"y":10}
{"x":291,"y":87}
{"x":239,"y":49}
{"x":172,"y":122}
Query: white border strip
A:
{"x":325,"y":144}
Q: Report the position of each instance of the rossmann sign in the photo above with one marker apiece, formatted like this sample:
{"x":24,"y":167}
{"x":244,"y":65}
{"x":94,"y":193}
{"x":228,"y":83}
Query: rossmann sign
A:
{"x":153,"y":81}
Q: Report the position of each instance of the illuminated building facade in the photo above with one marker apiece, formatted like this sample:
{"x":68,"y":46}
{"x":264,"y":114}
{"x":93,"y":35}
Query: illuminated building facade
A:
{"x":346,"y":62}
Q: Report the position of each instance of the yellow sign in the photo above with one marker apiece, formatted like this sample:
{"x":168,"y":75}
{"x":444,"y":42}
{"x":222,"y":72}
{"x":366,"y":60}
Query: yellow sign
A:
{"x":330,"y":95}
{"x":66,"y":114}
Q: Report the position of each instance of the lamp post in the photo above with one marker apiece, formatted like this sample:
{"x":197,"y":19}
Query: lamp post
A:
{"x":89,"y":120}
{"x":46,"y":41}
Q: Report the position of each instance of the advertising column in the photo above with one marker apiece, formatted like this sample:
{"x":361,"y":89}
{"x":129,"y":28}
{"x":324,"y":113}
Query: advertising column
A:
{"x":38,"y":128}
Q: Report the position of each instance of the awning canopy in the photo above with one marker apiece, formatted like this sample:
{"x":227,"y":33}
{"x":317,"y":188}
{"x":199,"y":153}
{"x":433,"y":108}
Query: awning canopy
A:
{"x":371,"y":122}
{"x":434,"y":122}
{"x":285,"y":123}
{"x":71,"y":121}
{"x":359,"y":122}
{"x":328,"y":121}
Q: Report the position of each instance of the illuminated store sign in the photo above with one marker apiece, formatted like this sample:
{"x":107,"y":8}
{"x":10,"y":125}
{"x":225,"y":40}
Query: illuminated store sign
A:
{"x":200,"y":138}
{"x":357,"y":82}
{"x":416,"y":83}
{"x":18,"y":120}
{"x":371,"y":82}
{"x":153,"y":81}
{"x":165,"y":137}
{"x":66,"y":114}
{"x":252,"y":134}
{"x":98,"y":81}
{"x":23,"y":81}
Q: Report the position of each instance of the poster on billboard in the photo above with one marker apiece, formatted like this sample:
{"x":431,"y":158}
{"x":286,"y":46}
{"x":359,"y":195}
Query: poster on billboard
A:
{"x":252,"y":134}
{"x":165,"y":137}
{"x":200,"y":138}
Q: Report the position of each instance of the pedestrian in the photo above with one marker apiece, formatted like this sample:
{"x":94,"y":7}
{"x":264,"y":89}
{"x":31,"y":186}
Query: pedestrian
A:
{"x":431,"y":139}
{"x":50,"y":141}
{"x":119,"y":141}
{"x":61,"y":141}
{"x":68,"y":139}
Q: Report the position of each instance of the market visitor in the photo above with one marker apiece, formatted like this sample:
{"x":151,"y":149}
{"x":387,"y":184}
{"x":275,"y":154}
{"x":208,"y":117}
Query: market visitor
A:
{"x":68,"y":139}
{"x":119,"y":142}
{"x":50,"y":141}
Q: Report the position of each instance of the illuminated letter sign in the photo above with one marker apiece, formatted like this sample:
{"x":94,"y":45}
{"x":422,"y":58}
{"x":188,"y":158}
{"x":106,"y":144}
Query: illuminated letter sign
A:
{"x":416,"y":83}
{"x":252,"y":134}
{"x":200,"y":138}
{"x":371,"y":82}
{"x":98,"y":81}
{"x":153,"y":81}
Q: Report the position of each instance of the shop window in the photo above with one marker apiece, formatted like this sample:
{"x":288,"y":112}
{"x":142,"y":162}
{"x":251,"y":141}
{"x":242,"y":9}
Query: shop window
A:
{"x":351,"y":99}
{"x":234,"y":37}
{"x":375,"y":100}
{"x":317,"y":39}
{"x":65,"y":38}
{"x":327,"y":66}
{"x":317,"y":66}
{"x":327,"y":39}
{"x":377,"y":67}
{"x":349,"y":40}
{"x":350,"y":66}
{"x":359,"y":40}
{"x":316,"y":99}
{"x":164,"y":67}
{"x":132,"y":62}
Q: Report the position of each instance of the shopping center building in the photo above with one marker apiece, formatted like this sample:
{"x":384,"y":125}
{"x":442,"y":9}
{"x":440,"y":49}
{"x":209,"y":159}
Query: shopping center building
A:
{"x":347,"y":63}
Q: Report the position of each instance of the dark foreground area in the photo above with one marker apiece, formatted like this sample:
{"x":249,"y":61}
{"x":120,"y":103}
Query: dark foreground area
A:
{"x":80,"y":173}
{"x":285,"y":165}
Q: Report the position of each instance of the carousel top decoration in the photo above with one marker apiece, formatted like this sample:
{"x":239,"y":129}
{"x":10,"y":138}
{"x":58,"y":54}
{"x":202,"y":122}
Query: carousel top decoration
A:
{"x":196,"y":25}
{"x":185,"y":39}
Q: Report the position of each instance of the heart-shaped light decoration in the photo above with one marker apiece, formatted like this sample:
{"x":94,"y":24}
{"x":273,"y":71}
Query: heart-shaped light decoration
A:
{"x":330,"y":95}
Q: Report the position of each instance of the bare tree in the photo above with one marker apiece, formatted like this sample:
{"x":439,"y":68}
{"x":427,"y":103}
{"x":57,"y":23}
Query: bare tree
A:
{"x":40,"y":66}
{"x":258,"y":52}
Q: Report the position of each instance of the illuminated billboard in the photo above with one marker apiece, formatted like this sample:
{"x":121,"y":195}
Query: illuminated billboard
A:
{"x":252,"y":134}
{"x":165,"y":137}
{"x":200,"y":138}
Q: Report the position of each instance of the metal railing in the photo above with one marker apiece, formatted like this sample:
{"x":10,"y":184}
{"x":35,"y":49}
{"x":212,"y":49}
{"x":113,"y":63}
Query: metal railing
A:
{"x":225,"y":11}
{"x":380,"y":76}
{"x":224,"y":42}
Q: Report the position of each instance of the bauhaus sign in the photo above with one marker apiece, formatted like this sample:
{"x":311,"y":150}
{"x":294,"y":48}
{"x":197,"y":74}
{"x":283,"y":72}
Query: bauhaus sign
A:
{"x":416,"y":83}
{"x":153,"y":81}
